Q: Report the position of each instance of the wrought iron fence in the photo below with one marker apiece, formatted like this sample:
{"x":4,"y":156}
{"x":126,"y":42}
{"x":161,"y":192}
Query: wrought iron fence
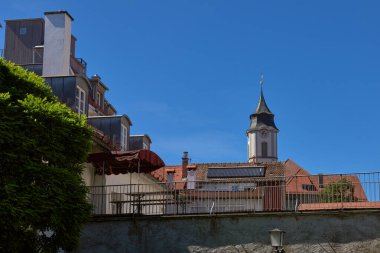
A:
{"x":276,"y":194}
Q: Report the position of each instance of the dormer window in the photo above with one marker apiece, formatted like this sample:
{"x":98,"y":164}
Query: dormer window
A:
{"x":124,"y":138}
{"x":80,"y":100}
{"x":191,"y":180}
{"x":170,"y":179}
{"x":97,"y":99}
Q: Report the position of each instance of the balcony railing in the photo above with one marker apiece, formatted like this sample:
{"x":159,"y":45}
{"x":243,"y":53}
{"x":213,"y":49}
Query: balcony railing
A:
{"x":298,"y":193}
{"x":78,"y":65}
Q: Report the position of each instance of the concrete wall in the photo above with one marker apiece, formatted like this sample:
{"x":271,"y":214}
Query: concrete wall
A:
{"x":313,"y":232}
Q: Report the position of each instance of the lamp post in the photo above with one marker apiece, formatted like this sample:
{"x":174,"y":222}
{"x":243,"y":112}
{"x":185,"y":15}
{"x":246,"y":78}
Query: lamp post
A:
{"x":277,"y":240}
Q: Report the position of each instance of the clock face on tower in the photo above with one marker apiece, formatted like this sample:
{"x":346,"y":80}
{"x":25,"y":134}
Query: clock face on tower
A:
{"x":264,"y":133}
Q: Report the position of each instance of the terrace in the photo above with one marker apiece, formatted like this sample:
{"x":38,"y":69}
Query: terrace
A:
{"x":277,"y":194}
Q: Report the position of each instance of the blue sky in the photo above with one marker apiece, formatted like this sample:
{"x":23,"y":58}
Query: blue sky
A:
{"x":187,"y":73}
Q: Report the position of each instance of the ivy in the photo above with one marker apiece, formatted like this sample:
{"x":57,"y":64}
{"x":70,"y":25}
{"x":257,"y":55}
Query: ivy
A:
{"x":42,"y":205}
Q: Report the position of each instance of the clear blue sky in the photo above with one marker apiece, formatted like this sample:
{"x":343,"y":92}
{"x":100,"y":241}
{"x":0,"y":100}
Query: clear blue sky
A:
{"x":187,"y":73}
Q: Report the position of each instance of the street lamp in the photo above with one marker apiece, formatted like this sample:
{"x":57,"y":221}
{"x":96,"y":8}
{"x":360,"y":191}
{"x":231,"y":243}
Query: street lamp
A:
{"x":277,"y":240}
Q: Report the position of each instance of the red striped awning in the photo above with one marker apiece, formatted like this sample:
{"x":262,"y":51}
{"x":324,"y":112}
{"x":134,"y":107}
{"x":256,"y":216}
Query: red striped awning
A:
{"x":116,"y":162}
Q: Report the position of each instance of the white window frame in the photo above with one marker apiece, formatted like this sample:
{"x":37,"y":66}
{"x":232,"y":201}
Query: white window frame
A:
{"x":97,"y":98}
{"x":191,"y":180}
{"x":80,"y":101}
{"x":124,"y":138}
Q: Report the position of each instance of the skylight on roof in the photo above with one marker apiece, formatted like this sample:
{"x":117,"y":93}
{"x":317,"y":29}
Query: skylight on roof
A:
{"x":236,"y":172}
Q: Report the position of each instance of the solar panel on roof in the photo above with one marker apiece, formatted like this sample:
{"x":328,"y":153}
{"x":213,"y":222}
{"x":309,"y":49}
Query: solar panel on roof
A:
{"x":236,"y":172}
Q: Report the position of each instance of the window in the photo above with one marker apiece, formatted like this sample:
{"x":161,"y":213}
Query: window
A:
{"x":145,"y":146}
{"x":97,"y":99}
{"x":80,"y":99}
{"x":235,"y":188}
{"x":264,"y":149}
{"x":170,"y":179}
{"x":320,"y":180}
{"x":191,"y":180}
{"x":23,"y":30}
{"x":124,"y":138}
{"x":309,"y":187}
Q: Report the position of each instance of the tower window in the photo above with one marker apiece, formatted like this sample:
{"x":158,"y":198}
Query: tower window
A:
{"x":264,"y":149}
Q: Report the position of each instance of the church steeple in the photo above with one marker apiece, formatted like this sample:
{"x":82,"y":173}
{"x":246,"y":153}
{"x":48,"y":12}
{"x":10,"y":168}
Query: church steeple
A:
{"x":262,"y":105}
{"x":262,"y":133}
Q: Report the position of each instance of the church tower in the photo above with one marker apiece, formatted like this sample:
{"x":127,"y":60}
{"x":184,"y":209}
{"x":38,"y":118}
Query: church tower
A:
{"x":262,"y":133}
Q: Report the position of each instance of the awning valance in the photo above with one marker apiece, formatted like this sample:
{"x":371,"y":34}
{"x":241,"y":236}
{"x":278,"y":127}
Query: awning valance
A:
{"x":116,"y":162}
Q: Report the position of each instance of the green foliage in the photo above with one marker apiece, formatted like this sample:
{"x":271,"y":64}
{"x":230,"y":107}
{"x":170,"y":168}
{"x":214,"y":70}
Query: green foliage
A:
{"x":339,"y":191}
{"x":42,"y":204}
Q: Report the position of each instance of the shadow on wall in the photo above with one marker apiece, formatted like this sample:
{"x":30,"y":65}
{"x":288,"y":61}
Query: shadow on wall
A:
{"x":317,"y":232}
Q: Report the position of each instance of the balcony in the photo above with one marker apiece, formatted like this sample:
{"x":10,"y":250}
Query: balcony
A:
{"x":276,"y":194}
{"x":78,"y":65}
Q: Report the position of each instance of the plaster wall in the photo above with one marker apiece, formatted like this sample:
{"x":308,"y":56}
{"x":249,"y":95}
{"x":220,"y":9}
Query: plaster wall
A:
{"x":355,"y":231}
{"x":56,"y":61}
{"x":254,"y":146}
{"x":114,"y":194}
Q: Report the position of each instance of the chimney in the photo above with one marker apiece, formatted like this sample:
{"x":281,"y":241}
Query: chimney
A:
{"x":57,"y":43}
{"x":96,"y":76}
{"x":185,"y":162}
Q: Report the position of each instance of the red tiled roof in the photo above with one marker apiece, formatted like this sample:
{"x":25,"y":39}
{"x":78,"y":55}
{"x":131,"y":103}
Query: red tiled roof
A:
{"x":297,"y":177}
{"x":161,"y":174}
{"x":274,"y":169}
{"x":337,"y":206}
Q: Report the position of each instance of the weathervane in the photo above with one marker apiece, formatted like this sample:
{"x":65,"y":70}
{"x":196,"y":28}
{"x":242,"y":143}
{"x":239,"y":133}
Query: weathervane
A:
{"x":262,"y":80}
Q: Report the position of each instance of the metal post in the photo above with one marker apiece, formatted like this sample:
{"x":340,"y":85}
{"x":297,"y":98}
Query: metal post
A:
{"x":341,"y":190}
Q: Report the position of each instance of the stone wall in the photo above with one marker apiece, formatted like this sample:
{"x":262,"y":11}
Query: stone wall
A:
{"x":354,"y":231}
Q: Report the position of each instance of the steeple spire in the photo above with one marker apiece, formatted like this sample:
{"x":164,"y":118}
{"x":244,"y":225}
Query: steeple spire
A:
{"x":262,"y":105}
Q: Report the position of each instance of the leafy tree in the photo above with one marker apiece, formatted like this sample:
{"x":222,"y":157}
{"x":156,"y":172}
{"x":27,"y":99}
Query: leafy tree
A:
{"x":339,"y":191}
{"x":42,"y":146}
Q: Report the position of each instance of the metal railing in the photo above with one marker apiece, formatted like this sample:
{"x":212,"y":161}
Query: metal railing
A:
{"x":79,"y":65}
{"x":297,"y":193}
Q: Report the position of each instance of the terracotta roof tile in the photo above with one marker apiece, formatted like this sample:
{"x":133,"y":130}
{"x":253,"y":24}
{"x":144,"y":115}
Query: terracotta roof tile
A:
{"x":297,"y":177}
{"x":337,"y":206}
